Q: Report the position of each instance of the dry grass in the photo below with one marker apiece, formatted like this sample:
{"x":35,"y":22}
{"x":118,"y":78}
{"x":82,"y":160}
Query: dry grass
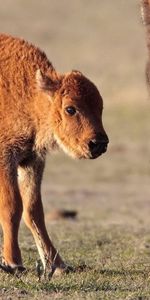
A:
{"x":109,"y":243}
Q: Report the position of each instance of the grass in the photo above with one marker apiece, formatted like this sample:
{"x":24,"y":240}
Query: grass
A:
{"x":114,"y":264}
{"x":109,"y":242}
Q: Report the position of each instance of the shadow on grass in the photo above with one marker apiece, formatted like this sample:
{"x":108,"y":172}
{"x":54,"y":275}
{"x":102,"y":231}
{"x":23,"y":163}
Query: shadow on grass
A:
{"x":113,"y":272}
{"x":110,"y":272}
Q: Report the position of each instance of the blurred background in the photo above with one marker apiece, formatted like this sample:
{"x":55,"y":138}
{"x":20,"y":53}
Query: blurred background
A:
{"x":106,"y":41}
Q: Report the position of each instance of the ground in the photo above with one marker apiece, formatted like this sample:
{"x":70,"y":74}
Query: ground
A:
{"x":109,"y":242}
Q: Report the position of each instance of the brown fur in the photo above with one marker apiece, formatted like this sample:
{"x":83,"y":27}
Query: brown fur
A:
{"x":33,"y":119}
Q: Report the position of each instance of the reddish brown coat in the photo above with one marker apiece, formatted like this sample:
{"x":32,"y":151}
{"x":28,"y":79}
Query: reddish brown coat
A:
{"x":39,"y":109}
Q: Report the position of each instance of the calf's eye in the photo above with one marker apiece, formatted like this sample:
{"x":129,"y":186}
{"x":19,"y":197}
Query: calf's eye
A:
{"x":70,"y":110}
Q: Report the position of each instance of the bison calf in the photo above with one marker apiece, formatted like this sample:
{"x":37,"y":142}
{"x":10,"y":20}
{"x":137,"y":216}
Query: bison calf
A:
{"x":39,"y":109}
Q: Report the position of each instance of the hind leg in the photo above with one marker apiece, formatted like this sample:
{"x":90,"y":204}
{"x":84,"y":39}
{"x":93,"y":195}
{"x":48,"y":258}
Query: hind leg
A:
{"x":10,"y":215}
{"x":30,"y":176}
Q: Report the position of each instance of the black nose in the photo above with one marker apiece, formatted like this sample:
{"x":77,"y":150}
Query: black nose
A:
{"x":98,"y":146}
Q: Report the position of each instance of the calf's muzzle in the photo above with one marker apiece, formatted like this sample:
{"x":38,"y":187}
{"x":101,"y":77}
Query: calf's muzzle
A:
{"x":98,"y":145}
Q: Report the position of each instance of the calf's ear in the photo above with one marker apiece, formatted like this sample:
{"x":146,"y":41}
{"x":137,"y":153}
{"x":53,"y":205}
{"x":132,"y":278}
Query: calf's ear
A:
{"x":46,"y":84}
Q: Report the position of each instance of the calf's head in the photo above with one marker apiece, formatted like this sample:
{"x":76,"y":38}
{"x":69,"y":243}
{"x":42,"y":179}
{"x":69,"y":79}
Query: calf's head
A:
{"x":76,"y":114}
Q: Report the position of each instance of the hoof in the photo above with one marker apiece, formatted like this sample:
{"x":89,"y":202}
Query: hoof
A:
{"x":12,"y":270}
{"x":60,"y":271}
{"x":52,"y":271}
{"x":65,"y":270}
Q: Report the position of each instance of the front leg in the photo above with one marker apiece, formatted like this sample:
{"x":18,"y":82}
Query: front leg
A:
{"x":30,"y":176}
{"x":10,"y":215}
